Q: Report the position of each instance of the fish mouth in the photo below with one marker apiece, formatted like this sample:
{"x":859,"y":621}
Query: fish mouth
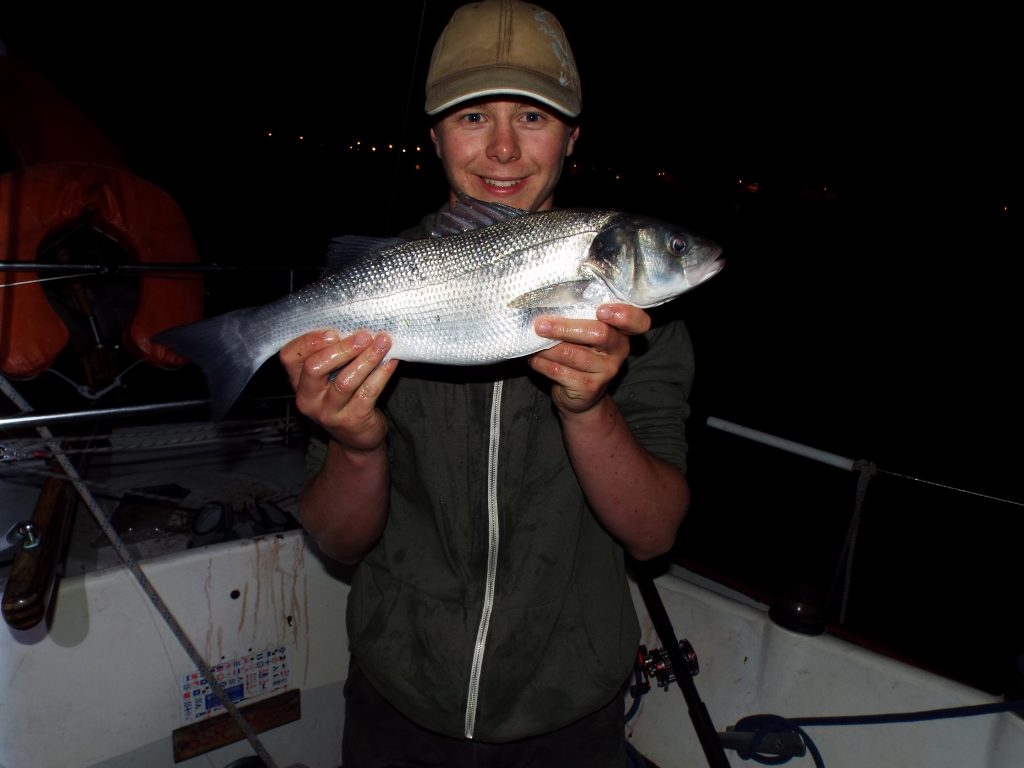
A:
{"x":709,"y":269}
{"x":694,"y":276}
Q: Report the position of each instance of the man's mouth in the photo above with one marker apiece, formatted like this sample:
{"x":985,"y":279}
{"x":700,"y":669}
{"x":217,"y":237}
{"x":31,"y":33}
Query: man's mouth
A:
{"x":502,"y":183}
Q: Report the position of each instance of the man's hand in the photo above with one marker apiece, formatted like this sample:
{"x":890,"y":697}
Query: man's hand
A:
{"x":590,"y":355}
{"x":346,"y":407}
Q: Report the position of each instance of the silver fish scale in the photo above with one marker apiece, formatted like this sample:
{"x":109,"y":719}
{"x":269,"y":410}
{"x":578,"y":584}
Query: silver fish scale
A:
{"x":446,"y":299}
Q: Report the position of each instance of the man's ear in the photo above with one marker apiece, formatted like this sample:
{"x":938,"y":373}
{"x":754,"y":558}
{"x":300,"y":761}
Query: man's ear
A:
{"x":436,"y":141}
{"x":570,"y":143}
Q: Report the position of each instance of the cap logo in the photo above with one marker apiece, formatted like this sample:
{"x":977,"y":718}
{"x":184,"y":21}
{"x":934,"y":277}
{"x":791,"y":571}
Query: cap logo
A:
{"x":556,"y":45}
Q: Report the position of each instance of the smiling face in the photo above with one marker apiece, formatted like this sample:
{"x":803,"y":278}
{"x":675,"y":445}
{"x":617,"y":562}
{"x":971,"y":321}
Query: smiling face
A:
{"x":504,"y":151}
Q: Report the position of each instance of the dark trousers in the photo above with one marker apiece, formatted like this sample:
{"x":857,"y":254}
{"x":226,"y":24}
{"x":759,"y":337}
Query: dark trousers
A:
{"x":379,"y":736}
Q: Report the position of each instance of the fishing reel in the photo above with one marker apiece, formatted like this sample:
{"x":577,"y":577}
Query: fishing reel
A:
{"x":657,"y":664}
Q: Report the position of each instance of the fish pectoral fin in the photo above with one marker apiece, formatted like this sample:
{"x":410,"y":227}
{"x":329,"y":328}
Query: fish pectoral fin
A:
{"x":553,"y":296}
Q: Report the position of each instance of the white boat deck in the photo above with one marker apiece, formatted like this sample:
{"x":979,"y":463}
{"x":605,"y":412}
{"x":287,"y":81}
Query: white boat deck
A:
{"x":105,"y":682}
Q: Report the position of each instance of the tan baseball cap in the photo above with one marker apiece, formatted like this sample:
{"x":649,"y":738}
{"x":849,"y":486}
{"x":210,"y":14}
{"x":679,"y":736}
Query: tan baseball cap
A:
{"x":503,"y":47}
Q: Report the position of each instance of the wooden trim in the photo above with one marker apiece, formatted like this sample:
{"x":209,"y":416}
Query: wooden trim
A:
{"x":206,"y":735}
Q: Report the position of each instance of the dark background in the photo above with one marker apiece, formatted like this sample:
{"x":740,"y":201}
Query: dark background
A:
{"x":862,"y":170}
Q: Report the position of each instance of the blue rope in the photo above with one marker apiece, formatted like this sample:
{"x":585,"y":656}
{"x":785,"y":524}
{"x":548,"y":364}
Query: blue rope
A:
{"x":637,"y":691}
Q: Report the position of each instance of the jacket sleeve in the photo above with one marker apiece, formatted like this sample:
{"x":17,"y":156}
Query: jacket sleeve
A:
{"x":654,"y":389}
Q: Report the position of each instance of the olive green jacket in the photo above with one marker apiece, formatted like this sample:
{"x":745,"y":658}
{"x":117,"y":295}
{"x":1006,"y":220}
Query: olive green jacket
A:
{"x":495,"y":606}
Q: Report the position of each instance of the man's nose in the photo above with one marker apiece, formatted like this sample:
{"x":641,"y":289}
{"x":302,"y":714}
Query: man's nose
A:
{"x":503,"y":146}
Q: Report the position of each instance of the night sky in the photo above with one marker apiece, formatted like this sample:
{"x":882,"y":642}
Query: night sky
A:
{"x":871,"y":302}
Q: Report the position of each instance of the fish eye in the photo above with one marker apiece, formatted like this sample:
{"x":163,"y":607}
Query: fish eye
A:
{"x":677,"y":244}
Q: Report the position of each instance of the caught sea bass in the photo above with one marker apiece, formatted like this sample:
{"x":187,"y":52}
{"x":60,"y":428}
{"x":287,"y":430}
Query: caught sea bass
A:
{"x":468,"y":295}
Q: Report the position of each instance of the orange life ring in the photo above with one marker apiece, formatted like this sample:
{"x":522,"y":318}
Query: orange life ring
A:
{"x":38,"y":200}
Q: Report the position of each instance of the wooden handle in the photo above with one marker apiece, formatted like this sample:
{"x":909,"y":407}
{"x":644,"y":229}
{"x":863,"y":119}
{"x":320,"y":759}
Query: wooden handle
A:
{"x":33,"y":575}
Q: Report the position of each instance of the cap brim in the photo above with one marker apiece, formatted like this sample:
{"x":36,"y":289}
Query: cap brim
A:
{"x":501,"y":82}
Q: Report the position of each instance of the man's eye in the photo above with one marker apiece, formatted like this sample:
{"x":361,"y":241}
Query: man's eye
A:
{"x":473,"y":117}
{"x":533,"y":117}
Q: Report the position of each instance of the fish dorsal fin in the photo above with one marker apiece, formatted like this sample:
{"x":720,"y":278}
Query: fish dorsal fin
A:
{"x":468,"y":213}
{"x":552,"y":296}
{"x":343,"y":250}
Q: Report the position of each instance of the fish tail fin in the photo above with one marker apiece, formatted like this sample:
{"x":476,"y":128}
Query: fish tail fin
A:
{"x":220,"y":347}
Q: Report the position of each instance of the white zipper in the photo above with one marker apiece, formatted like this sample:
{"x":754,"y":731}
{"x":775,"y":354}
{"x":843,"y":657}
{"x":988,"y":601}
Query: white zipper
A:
{"x":492,"y":560}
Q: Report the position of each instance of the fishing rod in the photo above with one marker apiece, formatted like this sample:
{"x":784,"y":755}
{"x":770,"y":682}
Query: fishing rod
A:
{"x":781,"y":743}
{"x":64,"y":417}
{"x":152,"y":266}
{"x":702,"y":723}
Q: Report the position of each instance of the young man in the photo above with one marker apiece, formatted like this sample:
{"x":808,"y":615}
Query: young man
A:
{"x":490,"y":509}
